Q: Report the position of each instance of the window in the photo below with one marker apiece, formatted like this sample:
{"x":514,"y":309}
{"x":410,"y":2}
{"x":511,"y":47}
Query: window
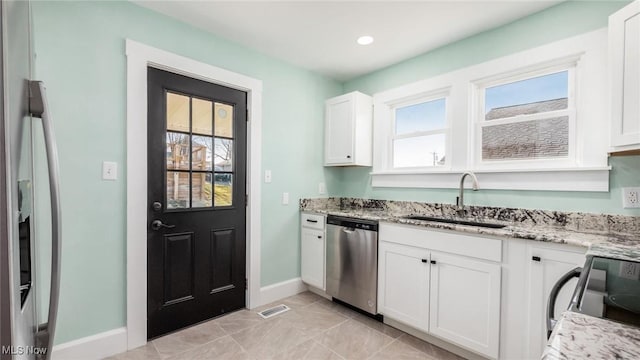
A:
{"x":527,"y":118}
{"x":532,"y":120}
{"x":419,"y":134}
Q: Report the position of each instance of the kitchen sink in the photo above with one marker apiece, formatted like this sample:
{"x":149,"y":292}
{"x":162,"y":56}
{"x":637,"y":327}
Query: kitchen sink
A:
{"x":454,"y":221}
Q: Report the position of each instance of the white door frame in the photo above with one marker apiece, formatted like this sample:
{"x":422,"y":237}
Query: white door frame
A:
{"x":139,"y":57}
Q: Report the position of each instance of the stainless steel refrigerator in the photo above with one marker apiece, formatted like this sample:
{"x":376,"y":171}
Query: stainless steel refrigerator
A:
{"x":26,"y":332}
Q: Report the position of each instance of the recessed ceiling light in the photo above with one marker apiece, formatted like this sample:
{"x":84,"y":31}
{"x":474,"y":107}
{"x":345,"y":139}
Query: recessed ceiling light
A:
{"x":365,"y":40}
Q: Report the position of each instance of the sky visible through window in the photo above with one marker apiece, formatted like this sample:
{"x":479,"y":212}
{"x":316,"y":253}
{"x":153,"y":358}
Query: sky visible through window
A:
{"x":424,"y":116}
{"x":431,"y":115}
{"x":422,"y":150}
{"x":541,"y":88}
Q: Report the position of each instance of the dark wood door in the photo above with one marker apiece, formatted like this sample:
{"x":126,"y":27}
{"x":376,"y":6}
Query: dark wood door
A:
{"x":196,"y":201}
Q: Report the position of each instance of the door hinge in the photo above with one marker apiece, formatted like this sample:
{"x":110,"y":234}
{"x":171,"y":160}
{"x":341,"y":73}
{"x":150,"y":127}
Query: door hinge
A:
{"x":246,"y":200}
{"x":247,"y":117}
{"x":246,"y":284}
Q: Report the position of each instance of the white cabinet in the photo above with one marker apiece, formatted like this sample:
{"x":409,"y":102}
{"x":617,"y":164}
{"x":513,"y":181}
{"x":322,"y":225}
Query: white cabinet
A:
{"x":348,"y":130}
{"x":465,"y":302}
{"x":403,"y":284}
{"x":546,"y":265}
{"x":429,"y":281}
{"x":624,"y":48}
{"x":312,"y":250}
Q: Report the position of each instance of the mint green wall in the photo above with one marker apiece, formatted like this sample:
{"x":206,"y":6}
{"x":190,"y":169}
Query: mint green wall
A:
{"x":80,"y":56}
{"x":626,"y":172}
{"x":561,"y":21}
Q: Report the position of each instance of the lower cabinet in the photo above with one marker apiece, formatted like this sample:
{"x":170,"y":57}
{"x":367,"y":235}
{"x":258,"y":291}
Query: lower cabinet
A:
{"x":312,"y":263}
{"x":312,"y":250}
{"x":546,"y":265}
{"x":403,"y":284}
{"x":453,"y":297}
{"x":464,"y":305}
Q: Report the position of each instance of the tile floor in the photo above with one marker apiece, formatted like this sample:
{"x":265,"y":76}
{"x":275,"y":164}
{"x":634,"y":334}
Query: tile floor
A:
{"x":314,"y":328}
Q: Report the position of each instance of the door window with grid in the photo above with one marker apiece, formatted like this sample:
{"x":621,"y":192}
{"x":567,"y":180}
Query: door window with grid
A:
{"x":200,"y":147}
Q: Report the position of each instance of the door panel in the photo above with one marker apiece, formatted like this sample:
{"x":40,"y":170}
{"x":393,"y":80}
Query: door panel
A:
{"x":178,"y":268}
{"x":220,"y":260}
{"x":196,"y":208}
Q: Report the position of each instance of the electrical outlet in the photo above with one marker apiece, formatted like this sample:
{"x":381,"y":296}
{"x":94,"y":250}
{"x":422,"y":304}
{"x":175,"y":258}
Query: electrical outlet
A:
{"x":285,"y":198}
{"x":322,"y":188}
{"x":631,"y":197}
{"x":629,"y":270}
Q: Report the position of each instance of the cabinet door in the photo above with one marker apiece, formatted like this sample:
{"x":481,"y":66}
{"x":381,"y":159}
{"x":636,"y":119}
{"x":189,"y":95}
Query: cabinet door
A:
{"x":465,"y":302}
{"x":624,"y":42}
{"x":339,"y":136}
{"x":403,"y":284}
{"x":312,"y":257}
{"x":549,"y":265}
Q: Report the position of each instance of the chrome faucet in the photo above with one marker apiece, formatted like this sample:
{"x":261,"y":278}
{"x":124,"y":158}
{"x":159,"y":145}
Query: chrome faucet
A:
{"x":460,"y":200}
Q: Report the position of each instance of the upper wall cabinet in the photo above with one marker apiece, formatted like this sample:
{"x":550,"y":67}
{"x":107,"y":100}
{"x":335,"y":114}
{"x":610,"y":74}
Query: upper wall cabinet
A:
{"x":348,"y":130}
{"x":624,"y":47}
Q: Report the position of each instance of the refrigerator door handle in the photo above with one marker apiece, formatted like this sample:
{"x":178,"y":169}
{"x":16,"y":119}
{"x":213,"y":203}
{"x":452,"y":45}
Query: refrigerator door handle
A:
{"x":551,"y":304}
{"x":39,"y":107}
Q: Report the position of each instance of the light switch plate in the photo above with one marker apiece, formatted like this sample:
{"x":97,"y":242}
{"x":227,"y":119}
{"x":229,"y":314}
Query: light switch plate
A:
{"x":631,"y":197}
{"x":109,"y":170}
{"x":285,"y":198}
{"x":267,"y":176}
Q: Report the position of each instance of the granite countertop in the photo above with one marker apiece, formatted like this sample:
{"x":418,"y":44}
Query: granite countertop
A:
{"x":576,"y":336}
{"x":579,"y":336}
{"x":601,"y":242}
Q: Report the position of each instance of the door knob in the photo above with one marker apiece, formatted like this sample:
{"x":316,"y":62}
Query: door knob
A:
{"x":157,"y":225}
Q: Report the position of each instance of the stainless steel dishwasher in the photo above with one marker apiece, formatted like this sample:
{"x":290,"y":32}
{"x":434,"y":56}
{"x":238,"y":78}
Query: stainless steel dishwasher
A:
{"x":352,"y":262}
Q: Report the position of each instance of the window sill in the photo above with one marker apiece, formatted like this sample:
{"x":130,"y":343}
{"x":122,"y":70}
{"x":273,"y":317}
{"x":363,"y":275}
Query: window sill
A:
{"x":594,"y":179}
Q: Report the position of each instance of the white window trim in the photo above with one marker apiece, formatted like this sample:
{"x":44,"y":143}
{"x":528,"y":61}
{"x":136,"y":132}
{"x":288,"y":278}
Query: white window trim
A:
{"x":588,"y":171}
{"x":414,"y":100}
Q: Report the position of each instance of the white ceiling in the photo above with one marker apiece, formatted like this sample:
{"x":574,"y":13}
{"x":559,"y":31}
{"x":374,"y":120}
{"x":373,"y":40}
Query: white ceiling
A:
{"x":321,"y":35}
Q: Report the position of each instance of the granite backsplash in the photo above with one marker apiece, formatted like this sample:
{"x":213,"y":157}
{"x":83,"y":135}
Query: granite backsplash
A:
{"x":571,"y":221}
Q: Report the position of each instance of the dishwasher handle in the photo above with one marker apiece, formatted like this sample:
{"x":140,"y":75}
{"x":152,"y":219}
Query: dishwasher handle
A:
{"x":348,"y":230}
{"x":551,"y":304}
{"x":352,"y":223}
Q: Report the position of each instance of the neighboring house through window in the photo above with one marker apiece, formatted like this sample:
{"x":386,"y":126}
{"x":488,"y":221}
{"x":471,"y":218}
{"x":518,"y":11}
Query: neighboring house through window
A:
{"x":527,"y":118}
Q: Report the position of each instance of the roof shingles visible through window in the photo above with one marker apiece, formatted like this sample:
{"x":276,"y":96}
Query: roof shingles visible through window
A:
{"x":526,"y":109}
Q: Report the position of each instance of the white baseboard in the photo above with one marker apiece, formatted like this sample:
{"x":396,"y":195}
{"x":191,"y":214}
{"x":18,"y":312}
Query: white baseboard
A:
{"x":96,"y":346}
{"x":275,"y":292}
{"x":114,"y":341}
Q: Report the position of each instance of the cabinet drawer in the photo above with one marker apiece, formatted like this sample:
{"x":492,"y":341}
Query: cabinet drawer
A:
{"x":445,"y":241}
{"x":313,"y":221}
